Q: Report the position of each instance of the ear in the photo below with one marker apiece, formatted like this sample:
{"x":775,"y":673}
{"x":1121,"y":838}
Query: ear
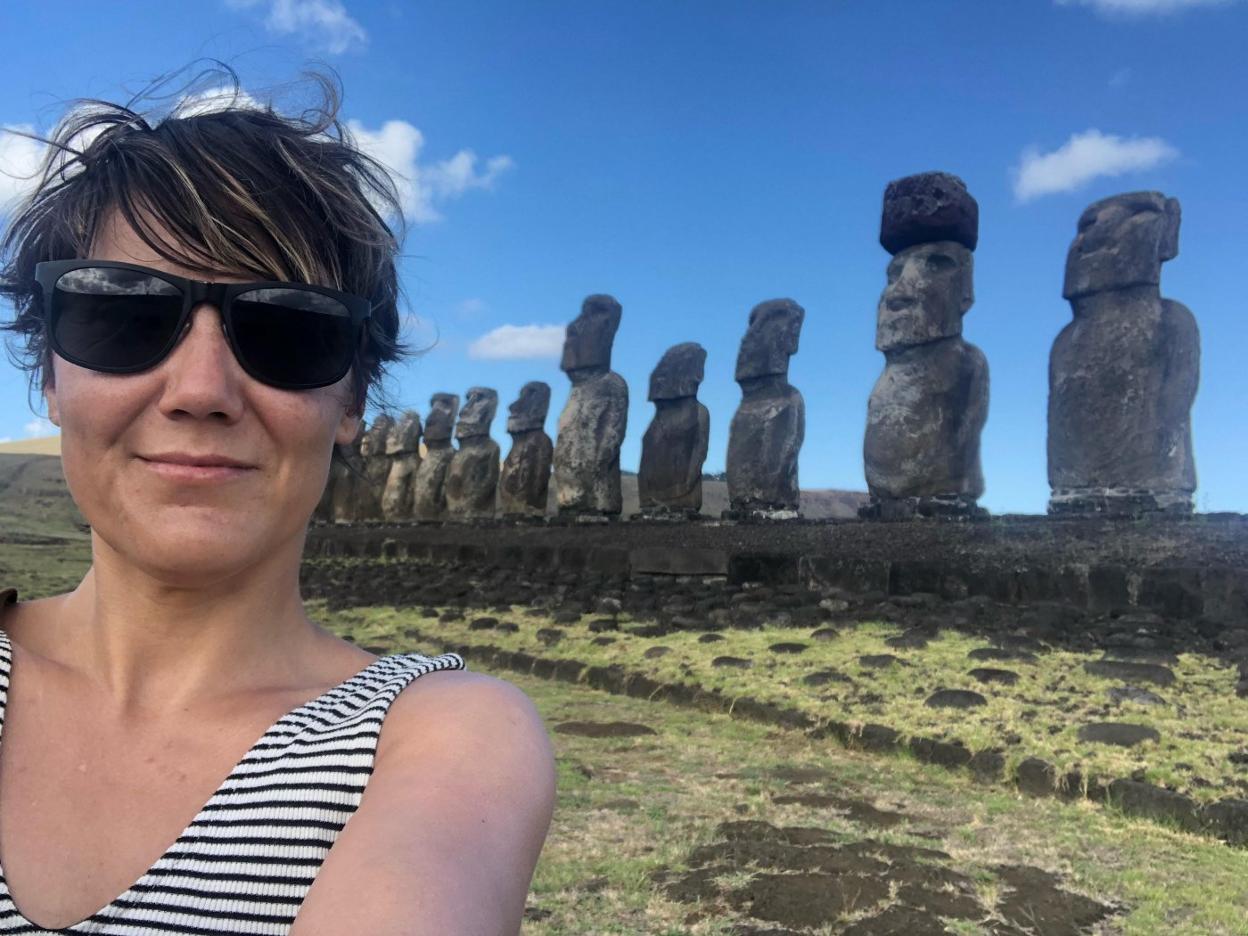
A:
{"x":348,"y":428}
{"x":54,"y":409}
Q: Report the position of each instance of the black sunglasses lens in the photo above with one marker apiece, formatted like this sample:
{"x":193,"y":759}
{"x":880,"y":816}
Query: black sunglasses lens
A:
{"x":114,"y":320}
{"x":292,"y":337}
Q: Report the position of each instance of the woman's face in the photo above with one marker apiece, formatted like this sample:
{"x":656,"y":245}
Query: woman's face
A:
{"x":123,"y":437}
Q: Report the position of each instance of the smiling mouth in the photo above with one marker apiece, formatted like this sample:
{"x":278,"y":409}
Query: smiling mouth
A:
{"x":186,"y":468}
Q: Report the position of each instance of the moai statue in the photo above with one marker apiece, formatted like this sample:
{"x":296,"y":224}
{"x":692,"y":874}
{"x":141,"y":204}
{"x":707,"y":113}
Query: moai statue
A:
{"x":430,"y":487}
{"x":376,"y":464}
{"x":674,"y":447}
{"x":525,"y":480}
{"x":928,"y":407}
{"x":345,"y":473}
{"x":472,"y":480}
{"x":1123,"y":373}
{"x":592,"y":424}
{"x":403,"y":448}
{"x":770,"y":424}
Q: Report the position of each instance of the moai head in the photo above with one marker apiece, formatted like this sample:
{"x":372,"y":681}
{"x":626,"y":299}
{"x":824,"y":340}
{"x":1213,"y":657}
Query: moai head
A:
{"x":1122,"y":241}
{"x":679,"y":372}
{"x":477,"y":414}
{"x":529,"y":411}
{"x":404,"y":435}
{"x":440,"y":422}
{"x":770,"y":340}
{"x":930,"y":287}
{"x":374,"y":441}
{"x":587,"y":344}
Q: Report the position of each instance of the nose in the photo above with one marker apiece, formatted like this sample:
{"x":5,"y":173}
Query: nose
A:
{"x":203,"y":379}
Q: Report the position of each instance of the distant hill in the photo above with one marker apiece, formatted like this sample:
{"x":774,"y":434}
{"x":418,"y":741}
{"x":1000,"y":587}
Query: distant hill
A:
{"x":44,"y":545}
{"x":49,"y":445}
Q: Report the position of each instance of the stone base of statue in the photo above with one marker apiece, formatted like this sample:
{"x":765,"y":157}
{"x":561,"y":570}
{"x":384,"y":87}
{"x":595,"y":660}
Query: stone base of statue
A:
{"x":761,"y":514}
{"x":935,"y":507}
{"x":580,"y":518}
{"x":661,"y":513}
{"x":1118,"y":502}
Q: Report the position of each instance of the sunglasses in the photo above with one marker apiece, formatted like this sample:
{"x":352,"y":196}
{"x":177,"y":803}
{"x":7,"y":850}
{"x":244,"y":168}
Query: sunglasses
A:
{"x":121,"y":318}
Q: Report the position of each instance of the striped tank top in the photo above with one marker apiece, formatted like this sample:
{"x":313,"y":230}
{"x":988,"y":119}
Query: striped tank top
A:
{"x":246,"y":861}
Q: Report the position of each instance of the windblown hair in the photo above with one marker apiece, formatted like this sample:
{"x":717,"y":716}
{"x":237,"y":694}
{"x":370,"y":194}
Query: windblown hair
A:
{"x":242,"y":189}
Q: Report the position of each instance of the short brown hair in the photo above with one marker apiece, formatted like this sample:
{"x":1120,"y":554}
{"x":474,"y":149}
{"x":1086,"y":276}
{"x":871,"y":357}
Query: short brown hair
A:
{"x":243,"y":188}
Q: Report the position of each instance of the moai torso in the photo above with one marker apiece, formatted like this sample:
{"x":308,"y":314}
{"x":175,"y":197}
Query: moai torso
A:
{"x":472,"y":479}
{"x":769,"y":426}
{"x":1123,"y":373}
{"x":403,"y":448}
{"x":345,"y":472}
{"x":592,"y":424}
{"x":928,"y":407}
{"x":673,"y":449}
{"x":429,"y":494}
{"x":524,"y":484}
{"x":372,"y":485}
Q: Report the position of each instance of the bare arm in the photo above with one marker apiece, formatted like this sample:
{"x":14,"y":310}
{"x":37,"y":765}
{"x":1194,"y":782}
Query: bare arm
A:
{"x":450,"y":826}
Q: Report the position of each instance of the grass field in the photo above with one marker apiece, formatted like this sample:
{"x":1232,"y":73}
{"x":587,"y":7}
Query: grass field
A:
{"x":638,"y":817}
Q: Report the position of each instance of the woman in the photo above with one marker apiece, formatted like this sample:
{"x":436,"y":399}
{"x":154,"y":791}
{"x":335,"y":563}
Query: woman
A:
{"x":180,"y":746}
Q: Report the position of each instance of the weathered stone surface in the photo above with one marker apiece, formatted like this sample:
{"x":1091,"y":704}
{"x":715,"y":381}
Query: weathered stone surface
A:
{"x":929,"y":406}
{"x":593,"y":422}
{"x":674,"y":447}
{"x":525,"y":478}
{"x":930,"y":206}
{"x":430,"y":487}
{"x":1123,"y":373}
{"x":398,"y":499}
{"x":472,"y":479}
{"x":769,"y":427}
{"x":376,"y":465}
{"x":1118,"y":733}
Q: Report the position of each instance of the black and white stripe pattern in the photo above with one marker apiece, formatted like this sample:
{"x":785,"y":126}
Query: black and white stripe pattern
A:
{"x":246,"y":861}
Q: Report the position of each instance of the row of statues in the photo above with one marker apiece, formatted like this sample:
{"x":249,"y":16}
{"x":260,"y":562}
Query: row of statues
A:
{"x":1122,"y":379}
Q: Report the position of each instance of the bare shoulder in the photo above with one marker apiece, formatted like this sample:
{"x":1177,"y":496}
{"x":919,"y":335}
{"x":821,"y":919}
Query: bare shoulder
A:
{"x":452,"y":821}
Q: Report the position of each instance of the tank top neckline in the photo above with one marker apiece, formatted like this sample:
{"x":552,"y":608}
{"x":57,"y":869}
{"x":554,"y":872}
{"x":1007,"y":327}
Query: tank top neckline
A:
{"x":84,"y":925}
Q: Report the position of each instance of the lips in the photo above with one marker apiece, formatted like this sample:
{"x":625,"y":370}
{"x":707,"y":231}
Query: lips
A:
{"x":196,"y":461}
{"x":196,"y":469}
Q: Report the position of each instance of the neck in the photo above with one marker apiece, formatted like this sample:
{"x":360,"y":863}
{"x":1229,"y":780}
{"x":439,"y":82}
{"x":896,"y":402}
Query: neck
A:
{"x":763,"y":384}
{"x":148,"y":647}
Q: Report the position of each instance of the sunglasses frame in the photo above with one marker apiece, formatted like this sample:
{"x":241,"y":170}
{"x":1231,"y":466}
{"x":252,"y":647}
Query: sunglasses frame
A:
{"x":194,"y":293}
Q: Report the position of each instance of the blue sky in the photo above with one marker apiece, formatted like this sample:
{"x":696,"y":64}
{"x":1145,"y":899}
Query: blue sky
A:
{"x":696,"y":158}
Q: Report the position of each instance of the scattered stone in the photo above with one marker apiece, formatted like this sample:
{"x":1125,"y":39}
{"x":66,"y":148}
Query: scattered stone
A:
{"x":586,"y":729}
{"x":910,"y":640}
{"x":609,"y":605}
{"x":1146,"y":672}
{"x":653,"y":653}
{"x":997,"y":654}
{"x":1135,"y":694}
{"x":823,"y":677}
{"x":566,"y":617}
{"x":1119,"y":734}
{"x":825,"y":633}
{"x":955,"y":698}
{"x":602,"y":641}
{"x":785,"y":647}
{"x":603,"y":625}
{"x":549,"y":635}
{"x":483,"y":623}
{"x":710,"y":638}
{"x":988,"y":675}
{"x":731,"y":662}
{"x":879,"y":660}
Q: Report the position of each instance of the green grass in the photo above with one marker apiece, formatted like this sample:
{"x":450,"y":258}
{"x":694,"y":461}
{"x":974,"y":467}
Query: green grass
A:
{"x":702,"y":769}
{"x":1201,"y":725}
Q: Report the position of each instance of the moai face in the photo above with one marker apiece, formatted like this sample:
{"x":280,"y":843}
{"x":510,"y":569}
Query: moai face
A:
{"x":440,"y":423}
{"x":770,"y":340}
{"x":374,"y":442}
{"x":1122,"y":241}
{"x":529,"y":411}
{"x":679,"y":372}
{"x":477,"y":414}
{"x":587,"y":343}
{"x":404,"y":435}
{"x":930,"y":287}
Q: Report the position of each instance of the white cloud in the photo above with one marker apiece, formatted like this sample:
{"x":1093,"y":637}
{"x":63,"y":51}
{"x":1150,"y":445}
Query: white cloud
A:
{"x":1142,"y":7}
{"x":326,"y":23}
{"x":397,"y":145}
{"x":1084,"y":157}
{"x":20,"y":160}
{"x":517,"y":342}
{"x":39,"y":427}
